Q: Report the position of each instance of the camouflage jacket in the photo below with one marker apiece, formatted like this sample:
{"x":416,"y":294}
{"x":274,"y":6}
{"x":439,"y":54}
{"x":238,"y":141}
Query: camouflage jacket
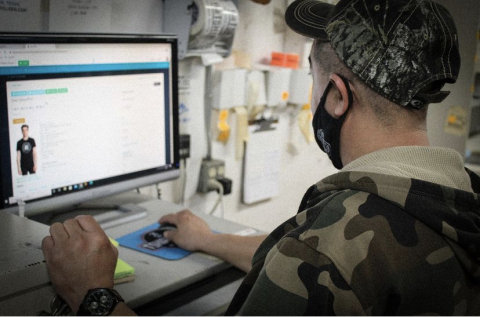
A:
{"x":370,"y":244}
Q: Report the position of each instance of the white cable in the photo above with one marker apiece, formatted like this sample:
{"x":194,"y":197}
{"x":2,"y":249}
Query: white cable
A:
{"x":208,"y":100}
{"x":223,"y":209}
{"x":214,"y":184}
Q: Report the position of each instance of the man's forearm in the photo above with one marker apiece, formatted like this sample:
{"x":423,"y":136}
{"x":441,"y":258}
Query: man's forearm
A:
{"x":194,"y":234}
{"x":237,"y":250}
{"x":35,"y":159}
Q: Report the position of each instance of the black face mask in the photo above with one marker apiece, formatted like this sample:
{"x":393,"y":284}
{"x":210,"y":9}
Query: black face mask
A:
{"x":327,"y":129}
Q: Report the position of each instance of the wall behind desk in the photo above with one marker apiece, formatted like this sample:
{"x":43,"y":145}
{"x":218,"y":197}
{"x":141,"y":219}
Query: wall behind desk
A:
{"x":97,"y":16}
{"x":261,"y":31}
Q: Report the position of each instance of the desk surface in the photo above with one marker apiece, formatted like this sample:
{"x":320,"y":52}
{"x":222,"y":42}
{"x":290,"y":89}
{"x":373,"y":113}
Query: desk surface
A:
{"x":155,"y":277}
{"x":23,"y":273}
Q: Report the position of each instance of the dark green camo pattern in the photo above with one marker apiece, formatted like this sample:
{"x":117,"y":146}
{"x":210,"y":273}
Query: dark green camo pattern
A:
{"x":370,"y":244}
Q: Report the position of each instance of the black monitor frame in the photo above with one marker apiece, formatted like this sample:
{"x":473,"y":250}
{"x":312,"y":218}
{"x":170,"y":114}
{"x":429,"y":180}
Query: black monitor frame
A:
{"x":105,"y":187}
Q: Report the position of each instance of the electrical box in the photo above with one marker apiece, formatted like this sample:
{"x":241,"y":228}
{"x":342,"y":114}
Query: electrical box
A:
{"x":278,"y":86}
{"x":210,"y":170}
{"x":229,"y":88}
{"x":300,"y":87}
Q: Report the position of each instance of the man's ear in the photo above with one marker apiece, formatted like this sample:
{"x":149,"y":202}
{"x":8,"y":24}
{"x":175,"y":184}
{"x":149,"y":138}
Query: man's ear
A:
{"x":341,"y":96}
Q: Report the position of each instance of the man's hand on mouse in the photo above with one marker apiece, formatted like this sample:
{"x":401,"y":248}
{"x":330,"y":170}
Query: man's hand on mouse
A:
{"x":79,"y":257}
{"x":191,"y":233}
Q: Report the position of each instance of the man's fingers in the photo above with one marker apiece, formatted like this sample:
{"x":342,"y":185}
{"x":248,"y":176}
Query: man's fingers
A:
{"x":175,"y":218}
{"x":73,"y":228}
{"x":48,"y":249}
{"x":169,"y":234}
{"x":88,"y":224}
{"x":170,"y":218}
{"x":58,"y":233}
{"x":47,"y":243}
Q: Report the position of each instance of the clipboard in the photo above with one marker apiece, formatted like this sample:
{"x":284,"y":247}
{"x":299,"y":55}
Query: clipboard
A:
{"x":261,"y":164}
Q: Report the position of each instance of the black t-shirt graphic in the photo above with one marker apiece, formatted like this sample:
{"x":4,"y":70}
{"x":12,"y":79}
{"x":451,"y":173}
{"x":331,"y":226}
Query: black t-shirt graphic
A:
{"x":26,"y":150}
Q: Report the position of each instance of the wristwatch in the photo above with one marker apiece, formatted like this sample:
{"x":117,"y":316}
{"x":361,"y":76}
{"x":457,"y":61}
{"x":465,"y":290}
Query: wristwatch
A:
{"x":99,"y":302}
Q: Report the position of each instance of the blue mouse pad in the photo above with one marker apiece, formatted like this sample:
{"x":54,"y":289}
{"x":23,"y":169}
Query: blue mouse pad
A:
{"x":149,"y":240}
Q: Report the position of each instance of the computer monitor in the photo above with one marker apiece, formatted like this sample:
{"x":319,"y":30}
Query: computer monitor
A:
{"x":84,"y":116}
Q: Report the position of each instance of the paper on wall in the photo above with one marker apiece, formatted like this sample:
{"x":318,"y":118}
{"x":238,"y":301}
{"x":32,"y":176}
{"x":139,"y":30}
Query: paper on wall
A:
{"x":92,"y":16}
{"x":130,"y":17}
{"x":20,"y":15}
{"x":261,"y":174}
{"x":242,"y":131}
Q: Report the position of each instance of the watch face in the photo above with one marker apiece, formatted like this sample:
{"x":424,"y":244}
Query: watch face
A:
{"x":99,"y":302}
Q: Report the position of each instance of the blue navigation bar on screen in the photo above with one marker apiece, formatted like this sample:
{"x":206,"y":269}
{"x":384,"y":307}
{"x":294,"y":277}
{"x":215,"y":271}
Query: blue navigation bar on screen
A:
{"x":26,"y":70}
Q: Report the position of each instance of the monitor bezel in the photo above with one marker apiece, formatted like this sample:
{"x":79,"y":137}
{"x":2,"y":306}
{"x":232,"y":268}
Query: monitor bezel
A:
{"x":66,"y":201}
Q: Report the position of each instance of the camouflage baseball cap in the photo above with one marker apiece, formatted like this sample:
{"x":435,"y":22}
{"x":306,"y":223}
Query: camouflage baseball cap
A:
{"x":400,"y":48}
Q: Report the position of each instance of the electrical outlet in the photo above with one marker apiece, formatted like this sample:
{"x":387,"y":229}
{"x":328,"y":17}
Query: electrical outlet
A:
{"x":210,"y":169}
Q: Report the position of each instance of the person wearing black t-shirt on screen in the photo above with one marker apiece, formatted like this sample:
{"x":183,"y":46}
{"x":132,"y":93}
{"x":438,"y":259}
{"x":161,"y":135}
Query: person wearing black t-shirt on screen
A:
{"x":26,"y":154}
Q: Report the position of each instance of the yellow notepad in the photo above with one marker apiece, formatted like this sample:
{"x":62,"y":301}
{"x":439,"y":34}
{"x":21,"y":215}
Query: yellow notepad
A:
{"x":124,"y":272}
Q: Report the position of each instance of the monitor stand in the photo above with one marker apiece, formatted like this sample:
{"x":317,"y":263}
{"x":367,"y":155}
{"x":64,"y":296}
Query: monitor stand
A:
{"x":108,"y":211}
{"x":120,"y":215}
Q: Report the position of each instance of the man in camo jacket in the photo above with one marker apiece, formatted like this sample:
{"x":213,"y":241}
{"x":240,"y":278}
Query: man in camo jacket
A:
{"x":397,"y":230}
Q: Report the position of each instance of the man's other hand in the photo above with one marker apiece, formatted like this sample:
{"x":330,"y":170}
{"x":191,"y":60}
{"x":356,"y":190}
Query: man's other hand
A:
{"x":192,"y":232}
{"x":79,"y":257}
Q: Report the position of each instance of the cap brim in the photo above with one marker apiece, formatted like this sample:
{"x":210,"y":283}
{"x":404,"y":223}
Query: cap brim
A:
{"x":309,"y":18}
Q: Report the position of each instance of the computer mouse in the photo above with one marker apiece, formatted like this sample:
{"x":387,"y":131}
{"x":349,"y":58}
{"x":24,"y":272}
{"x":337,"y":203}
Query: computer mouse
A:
{"x":155,"y":240}
{"x":166,"y":227}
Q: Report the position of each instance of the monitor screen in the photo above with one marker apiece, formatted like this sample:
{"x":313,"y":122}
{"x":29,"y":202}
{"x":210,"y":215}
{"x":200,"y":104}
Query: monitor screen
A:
{"x":85,"y":116}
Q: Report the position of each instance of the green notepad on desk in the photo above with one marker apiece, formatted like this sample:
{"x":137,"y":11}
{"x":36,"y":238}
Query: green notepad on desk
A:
{"x":124,"y":272}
